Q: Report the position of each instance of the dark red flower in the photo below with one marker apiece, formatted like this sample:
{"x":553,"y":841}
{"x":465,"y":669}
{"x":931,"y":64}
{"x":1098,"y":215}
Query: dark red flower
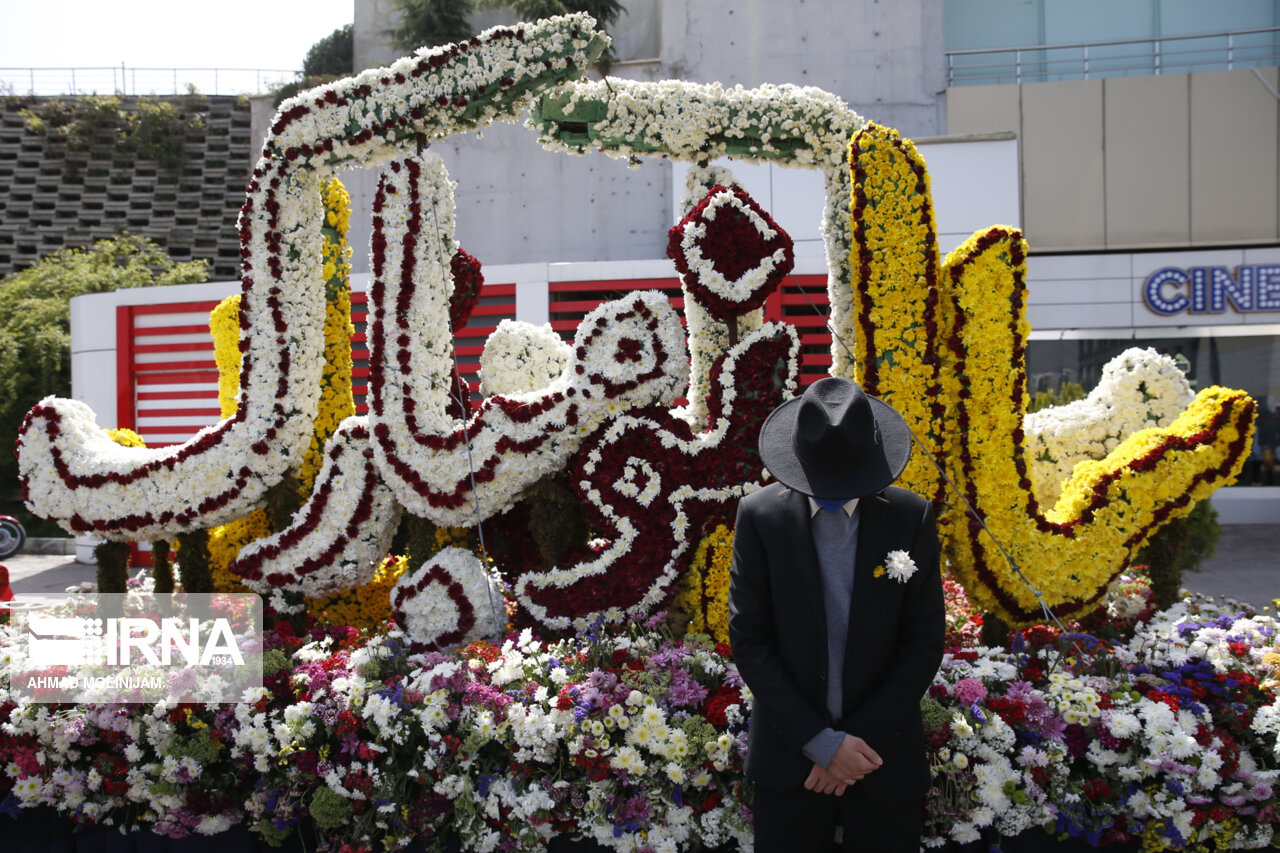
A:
{"x":734,"y":246}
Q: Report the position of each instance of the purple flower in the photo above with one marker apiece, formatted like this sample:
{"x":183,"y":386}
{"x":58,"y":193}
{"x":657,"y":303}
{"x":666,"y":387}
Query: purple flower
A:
{"x":684,"y":691}
{"x":486,"y":695}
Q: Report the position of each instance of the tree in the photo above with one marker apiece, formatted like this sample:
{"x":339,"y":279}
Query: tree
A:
{"x":327,"y":60}
{"x":431,"y":22}
{"x":35,"y":323}
{"x":332,"y":56}
{"x":604,"y":11}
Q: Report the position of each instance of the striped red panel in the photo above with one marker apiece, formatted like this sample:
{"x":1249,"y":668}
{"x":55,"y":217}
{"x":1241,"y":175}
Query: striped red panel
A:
{"x":168,"y":381}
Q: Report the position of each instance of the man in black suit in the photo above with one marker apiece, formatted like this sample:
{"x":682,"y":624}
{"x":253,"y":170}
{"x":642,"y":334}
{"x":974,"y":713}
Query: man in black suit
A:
{"x":836,"y":620}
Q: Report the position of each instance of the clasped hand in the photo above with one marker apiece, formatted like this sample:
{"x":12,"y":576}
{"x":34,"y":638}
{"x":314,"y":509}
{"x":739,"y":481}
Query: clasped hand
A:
{"x":853,"y":760}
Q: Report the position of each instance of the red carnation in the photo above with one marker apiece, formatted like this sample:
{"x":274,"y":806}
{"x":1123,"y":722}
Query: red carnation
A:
{"x":467,"y":281}
{"x":738,"y":237}
{"x":714,"y":708}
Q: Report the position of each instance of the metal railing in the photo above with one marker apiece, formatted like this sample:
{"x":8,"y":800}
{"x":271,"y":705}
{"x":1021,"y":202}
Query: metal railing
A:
{"x":1118,"y":58}
{"x":122,"y":80}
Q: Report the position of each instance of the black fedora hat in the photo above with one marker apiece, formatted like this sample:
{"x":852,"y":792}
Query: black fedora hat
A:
{"x":835,"y":442}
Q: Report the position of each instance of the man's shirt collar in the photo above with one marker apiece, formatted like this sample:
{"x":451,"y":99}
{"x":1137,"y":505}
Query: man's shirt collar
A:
{"x":848,"y":507}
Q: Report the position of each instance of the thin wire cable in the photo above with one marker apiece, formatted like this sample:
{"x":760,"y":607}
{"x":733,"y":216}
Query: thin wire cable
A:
{"x":936,"y":464}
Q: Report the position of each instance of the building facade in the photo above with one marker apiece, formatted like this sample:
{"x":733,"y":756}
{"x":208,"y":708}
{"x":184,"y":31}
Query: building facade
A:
{"x":1148,"y":137}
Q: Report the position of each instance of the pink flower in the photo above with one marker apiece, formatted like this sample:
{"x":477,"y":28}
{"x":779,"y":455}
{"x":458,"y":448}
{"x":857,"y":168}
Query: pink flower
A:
{"x":970,"y":690}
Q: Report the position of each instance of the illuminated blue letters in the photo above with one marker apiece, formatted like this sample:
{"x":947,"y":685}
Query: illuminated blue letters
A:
{"x":1209,"y":290}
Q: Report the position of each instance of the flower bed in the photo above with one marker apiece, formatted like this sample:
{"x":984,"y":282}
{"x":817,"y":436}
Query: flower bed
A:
{"x":634,"y":740}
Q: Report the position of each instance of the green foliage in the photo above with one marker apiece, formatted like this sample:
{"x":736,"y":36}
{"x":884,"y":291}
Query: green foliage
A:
{"x":283,"y":500}
{"x":293,"y":87}
{"x":1177,"y":547}
{"x":113,"y":566}
{"x":1068,"y":393}
{"x":152,"y":129}
{"x":427,"y":23}
{"x":77,"y":120}
{"x":157,"y":131}
{"x":273,"y":661}
{"x":329,"y":59}
{"x":604,"y":11}
{"x":194,"y":563}
{"x":35,"y":322}
{"x":332,"y":55}
{"x":933,"y":714}
{"x":556,"y":519}
{"x":328,"y":809}
{"x":419,"y":539}
{"x":162,"y":566}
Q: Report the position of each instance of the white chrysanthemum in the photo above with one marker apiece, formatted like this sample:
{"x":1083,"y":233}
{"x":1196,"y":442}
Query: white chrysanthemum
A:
{"x":520,"y":357}
{"x":1140,"y":388}
{"x":899,"y":566}
{"x":426,"y":606}
{"x":1122,"y":724}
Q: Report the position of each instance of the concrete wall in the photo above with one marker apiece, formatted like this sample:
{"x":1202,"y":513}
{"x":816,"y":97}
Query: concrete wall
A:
{"x":1178,"y":160}
{"x":517,"y":203}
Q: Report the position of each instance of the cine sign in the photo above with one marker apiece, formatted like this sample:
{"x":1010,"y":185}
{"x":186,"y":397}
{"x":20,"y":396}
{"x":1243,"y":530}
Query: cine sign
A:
{"x":1208,"y":290}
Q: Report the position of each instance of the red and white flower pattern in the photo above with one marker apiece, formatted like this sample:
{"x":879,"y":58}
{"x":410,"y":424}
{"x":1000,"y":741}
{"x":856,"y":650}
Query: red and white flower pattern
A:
{"x":648,"y":483}
{"x":449,"y":601}
{"x":226,"y":470}
{"x":338,"y":537}
{"x":630,"y":352}
{"x":730,"y":253}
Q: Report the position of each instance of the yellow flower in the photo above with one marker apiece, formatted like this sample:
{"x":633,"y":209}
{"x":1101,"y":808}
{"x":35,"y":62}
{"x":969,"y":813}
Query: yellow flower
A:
{"x":879,"y":572}
{"x":945,"y":343}
{"x":703,"y":593}
{"x":367,"y":607}
{"x":126,"y":438}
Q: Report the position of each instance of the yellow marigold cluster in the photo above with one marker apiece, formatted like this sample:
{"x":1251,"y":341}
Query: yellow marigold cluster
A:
{"x":224,"y":325}
{"x":126,"y":437}
{"x":336,"y":400}
{"x":703,"y":595}
{"x":368,"y":607}
{"x":451,"y":537}
{"x":225,"y":542}
{"x":1272,"y":660}
{"x":1108,"y":508}
{"x":896,"y":290}
{"x":337,"y":215}
{"x":945,"y":344}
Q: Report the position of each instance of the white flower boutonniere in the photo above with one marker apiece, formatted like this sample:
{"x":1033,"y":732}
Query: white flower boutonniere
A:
{"x":898,"y":565}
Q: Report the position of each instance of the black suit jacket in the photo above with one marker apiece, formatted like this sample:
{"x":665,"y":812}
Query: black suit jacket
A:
{"x":777,"y":627}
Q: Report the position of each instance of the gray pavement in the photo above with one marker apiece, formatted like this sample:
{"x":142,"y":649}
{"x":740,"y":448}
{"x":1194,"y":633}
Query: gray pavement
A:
{"x":46,"y":572}
{"x":1245,"y":567}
